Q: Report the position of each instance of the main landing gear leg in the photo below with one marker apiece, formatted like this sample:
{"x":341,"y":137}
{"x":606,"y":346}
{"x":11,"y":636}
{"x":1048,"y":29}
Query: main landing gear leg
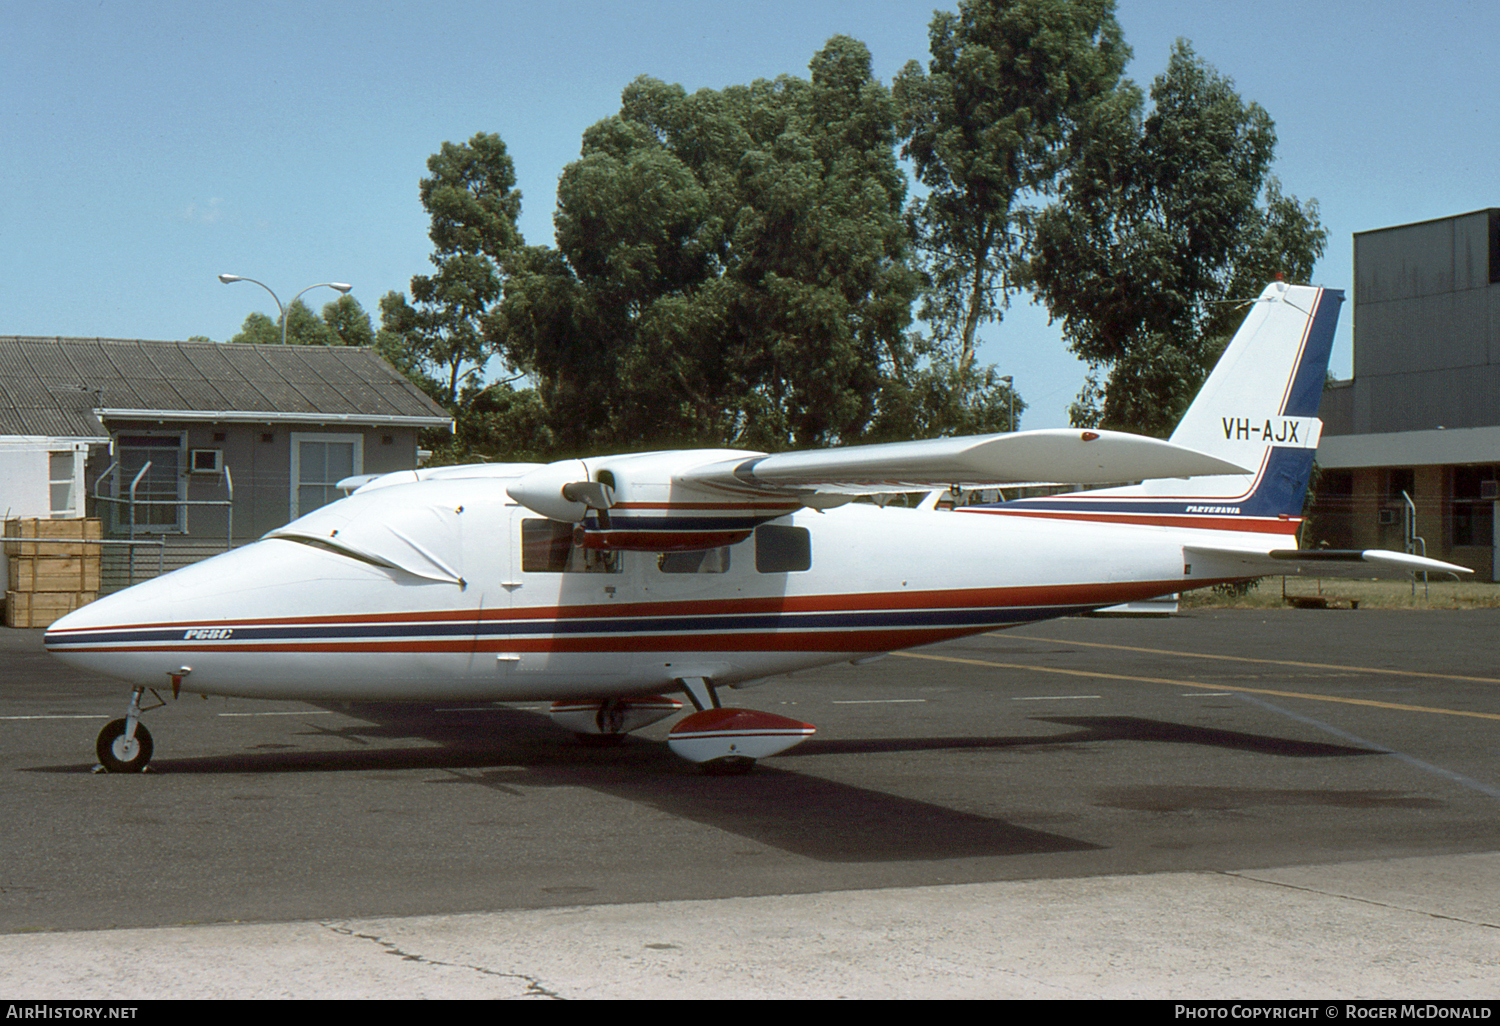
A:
{"x":729,"y":741}
{"x":606,"y":721}
{"x":124,"y":746}
{"x":700,"y":692}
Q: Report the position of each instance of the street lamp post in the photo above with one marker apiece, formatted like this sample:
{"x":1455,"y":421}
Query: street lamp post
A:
{"x":1012,"y":392}
{"x":229,"y":279}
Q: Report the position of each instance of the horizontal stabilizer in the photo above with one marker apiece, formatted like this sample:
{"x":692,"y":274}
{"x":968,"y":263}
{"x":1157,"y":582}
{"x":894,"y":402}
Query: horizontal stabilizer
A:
{"x":1059,"y":454}
{"x":1215,"y":563}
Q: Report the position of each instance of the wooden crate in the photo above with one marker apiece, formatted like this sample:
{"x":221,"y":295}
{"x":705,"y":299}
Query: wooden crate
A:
{"x":53,"y":573}
{"x":33,"y":536}
{"x":41,"y":608}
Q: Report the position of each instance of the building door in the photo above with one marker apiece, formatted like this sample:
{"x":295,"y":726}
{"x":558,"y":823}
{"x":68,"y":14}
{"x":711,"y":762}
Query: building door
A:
{"x":319,"y":463}
{"x":155,"y":503}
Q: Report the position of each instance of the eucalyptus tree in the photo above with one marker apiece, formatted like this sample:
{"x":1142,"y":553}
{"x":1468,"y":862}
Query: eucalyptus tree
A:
{"x":731,"y":266}
{"x":1169,"y":220}
{"x":473,"y":204}
{"x":988,"y":125}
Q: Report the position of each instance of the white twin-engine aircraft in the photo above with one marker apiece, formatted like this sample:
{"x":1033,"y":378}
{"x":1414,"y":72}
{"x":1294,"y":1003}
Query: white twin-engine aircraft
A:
{"x":605,"y":584}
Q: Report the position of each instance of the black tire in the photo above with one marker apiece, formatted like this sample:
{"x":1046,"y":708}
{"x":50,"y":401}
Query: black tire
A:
{"x":119,"y":756}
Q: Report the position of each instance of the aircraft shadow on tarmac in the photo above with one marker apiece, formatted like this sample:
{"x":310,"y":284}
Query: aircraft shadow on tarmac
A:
{"x":1134,"y":728}
{"x":515,"y":750}
{"x":1092,"y":729}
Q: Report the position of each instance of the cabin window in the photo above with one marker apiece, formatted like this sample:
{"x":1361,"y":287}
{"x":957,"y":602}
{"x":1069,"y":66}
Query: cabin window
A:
{"x":780,"y":549}
{"x":547,"y":547}
{"x":702,"y":561}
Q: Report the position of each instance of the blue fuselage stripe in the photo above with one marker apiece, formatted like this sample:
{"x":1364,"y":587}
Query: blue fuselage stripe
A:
{"x":685,"y":625}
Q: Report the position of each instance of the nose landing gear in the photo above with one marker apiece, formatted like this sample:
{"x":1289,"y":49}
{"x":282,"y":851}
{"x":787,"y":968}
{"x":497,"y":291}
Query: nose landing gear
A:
{"x":124,"y":746}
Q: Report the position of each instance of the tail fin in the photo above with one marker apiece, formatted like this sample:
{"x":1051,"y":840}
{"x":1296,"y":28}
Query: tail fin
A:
{"x":1259,"y":406}
{"x":1273,"y":368}
{"x":1258,"y":409}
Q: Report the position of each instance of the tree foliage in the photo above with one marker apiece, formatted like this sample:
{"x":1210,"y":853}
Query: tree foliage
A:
{"x":471,"y":198}
{"x":1170,"y":216}
{"x":343,"y":323}
{"x":730,"y":266}
{"x":989,"y":124}
{"x":348,"y":322}
{"x":740,"y":266}
{"x":930,"y":395}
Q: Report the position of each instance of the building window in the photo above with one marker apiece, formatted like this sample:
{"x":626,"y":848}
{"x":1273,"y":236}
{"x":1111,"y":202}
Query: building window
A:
{"x":1473,"y":513}
{"x":1400,"y":482}
{"x":319,"y":463}
{"x":62,"y":485}
{"x":1331,"y":523}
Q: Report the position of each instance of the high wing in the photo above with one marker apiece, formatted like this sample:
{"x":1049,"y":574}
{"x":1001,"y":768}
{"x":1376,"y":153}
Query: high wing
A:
{"x":682,"y":500}
{"x":1064,"y":454}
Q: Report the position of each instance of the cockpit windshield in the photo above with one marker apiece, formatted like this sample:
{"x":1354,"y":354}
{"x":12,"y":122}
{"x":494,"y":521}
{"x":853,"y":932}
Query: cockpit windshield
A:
{"x":388,"y":527}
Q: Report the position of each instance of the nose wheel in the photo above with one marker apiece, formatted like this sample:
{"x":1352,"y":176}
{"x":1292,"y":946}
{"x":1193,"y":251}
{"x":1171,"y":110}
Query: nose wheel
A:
{"x":124,"y":746}
{"x":119,"y":753}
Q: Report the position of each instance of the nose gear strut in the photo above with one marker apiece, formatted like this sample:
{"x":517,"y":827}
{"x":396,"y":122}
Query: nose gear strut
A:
{"x":124,"y":746}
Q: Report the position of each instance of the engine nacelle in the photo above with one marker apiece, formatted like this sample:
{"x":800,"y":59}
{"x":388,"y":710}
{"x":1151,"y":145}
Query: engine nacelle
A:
{"x":554,"y":491}
{"x":634,"y":504}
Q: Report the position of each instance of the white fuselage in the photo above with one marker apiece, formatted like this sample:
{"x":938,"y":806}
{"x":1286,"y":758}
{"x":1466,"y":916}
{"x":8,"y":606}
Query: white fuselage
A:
{"x":285,"y":618}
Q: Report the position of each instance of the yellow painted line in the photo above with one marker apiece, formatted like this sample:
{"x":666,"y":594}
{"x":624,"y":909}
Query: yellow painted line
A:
{"x":1094,"y":674}
{"x":1254,"y":659}
{"x":289,"y":712}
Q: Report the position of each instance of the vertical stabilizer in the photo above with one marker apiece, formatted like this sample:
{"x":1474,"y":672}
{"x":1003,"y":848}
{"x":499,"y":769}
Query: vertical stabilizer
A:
{"x":1258,"y":408}
{"x":1266,"y":388}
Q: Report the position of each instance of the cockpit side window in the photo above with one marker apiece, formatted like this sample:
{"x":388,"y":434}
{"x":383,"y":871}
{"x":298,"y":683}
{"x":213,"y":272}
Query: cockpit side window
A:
{"x":781,"y":549}
{"x":547,"y":547}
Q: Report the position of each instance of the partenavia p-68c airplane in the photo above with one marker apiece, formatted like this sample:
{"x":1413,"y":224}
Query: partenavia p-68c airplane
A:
{"x":605,"y":585}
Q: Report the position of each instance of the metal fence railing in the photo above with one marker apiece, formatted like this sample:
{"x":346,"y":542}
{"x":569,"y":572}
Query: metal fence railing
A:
{"x":143,"y":528}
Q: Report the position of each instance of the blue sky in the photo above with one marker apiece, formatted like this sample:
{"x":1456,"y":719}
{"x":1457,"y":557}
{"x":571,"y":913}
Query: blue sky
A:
{"x":145,"y":148}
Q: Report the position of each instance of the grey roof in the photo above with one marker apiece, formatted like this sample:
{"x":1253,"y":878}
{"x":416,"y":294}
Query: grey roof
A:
{"x":61,"y":386}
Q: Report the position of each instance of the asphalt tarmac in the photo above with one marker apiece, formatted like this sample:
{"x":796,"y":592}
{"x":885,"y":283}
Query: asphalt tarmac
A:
{"x":1232,"y":803}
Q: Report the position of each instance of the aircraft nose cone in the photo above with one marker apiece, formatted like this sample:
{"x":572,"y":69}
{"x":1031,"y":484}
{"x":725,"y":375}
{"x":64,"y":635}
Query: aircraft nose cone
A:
{"x":90,"y":637}
{"x":129,"y":635}
{"x":73,"y":628}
